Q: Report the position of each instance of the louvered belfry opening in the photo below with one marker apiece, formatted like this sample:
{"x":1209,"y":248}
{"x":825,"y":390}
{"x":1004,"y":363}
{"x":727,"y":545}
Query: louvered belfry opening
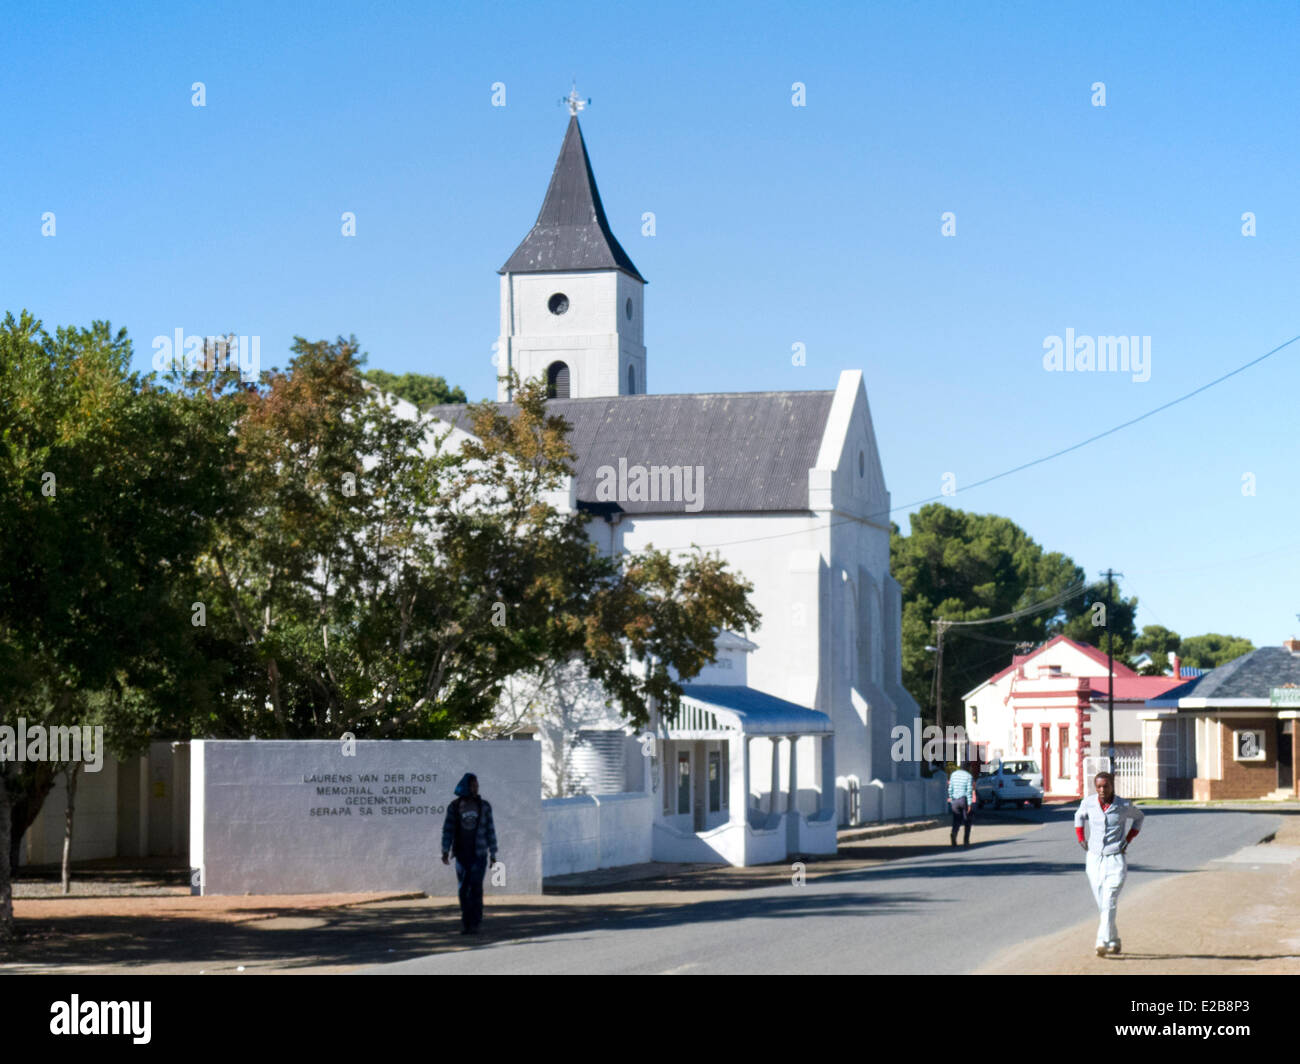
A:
{"x":557,"y":381}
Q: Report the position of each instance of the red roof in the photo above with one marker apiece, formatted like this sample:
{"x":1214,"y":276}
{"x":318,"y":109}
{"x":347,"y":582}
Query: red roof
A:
{"x":1134,"y":688}
{"x":1121,"y":670}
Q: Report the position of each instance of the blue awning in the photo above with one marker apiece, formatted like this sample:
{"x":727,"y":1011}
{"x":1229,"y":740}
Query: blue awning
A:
{"x":755,"y":712}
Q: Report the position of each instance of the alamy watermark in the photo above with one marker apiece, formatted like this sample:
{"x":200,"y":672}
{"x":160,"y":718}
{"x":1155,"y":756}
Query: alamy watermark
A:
{"x":61,"y":743}
{"x":925,"y":744}
{"x":1096,"y":354}
{"x":638,"y":483}
{"x":211,"y":353}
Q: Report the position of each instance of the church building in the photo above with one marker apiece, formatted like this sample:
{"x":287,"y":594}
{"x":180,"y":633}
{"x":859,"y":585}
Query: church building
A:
{"x":788,"y":734}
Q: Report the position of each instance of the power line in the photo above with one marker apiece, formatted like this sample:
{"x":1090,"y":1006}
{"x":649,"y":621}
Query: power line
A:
{"x":1056,"y":600}
{"x":1233,"y":561}
{"x":1110,"y":431}
{"x":1017,"y":469}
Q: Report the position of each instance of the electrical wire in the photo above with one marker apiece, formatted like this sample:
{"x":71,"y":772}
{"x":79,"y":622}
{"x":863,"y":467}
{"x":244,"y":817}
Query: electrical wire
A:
{"x":1016,"y":469}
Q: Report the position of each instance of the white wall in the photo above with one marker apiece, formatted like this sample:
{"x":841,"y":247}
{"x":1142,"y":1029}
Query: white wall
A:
{"x":253,"y":830}
{"x":94,"y":828}
{"x":585,"y":833}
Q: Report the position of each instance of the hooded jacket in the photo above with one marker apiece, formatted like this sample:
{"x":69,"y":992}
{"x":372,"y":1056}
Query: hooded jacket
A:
{"x":485,"y":835}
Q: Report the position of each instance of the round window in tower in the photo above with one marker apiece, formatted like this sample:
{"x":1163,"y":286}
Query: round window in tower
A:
{"x":558,"y":303}
{"x":628,"y":308}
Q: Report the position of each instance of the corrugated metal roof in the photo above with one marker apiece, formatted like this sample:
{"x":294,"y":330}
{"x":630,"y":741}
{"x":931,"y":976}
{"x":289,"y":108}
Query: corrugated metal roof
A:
{"x":755,"y":448}
{"x":571,"y":231}
{"x":757,"y":712}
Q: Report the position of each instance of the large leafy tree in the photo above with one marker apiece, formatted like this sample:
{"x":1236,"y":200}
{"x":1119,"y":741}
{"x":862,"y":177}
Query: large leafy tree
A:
{"x":420,"y":389}
{"x":1207,"y":651}
{"x":959,"y":566}
{"x":1158,"y":641}
{"x":108,"y":484}
{"x":387,"y":581}
{"x":1211,"y":650}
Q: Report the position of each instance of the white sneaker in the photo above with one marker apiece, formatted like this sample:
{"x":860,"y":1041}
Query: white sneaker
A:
{"x":1114,"y":946}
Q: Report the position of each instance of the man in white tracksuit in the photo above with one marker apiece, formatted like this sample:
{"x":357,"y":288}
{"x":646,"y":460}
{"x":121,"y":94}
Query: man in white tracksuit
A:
{"x":1105,"y":816}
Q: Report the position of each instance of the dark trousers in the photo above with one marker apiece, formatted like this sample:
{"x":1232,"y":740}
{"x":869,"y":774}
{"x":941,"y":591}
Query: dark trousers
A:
{"x":962,"y":816}
{"x":470,"y":877}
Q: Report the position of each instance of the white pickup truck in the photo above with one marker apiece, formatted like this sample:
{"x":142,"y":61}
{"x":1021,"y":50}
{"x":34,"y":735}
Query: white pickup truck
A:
{"x":1013,"y":781}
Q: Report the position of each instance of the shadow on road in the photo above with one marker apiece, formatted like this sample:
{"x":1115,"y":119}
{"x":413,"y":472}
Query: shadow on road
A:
{"x":367,"y":935}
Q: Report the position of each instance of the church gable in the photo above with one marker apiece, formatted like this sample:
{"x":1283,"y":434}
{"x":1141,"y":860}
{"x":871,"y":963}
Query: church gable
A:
{"x":848,"y":475}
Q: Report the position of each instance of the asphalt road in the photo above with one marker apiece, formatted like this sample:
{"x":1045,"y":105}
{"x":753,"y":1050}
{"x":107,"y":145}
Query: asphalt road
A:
{"x":945,"y":912}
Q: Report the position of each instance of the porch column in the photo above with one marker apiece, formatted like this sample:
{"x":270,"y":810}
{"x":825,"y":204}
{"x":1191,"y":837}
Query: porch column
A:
{"x":738,"y":784}
{"x":774,"y":798}
{"x":827,"y":800}
{"x":792,"y":803}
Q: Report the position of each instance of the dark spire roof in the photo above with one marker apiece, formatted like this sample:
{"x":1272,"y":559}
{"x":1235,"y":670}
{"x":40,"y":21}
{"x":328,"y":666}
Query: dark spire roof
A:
{"x":571,"y":231}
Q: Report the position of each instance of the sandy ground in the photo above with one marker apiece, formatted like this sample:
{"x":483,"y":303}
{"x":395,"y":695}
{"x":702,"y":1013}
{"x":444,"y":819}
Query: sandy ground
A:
{"x":1228,"y":918}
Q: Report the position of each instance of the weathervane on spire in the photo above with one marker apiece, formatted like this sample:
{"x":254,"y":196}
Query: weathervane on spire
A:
{"x":576,"y":103}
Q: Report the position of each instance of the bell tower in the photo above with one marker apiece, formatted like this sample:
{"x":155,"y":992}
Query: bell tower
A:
{"x":571,"y":300}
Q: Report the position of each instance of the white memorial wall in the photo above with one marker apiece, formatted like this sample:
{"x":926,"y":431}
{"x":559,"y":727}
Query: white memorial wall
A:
{"x":304,"y":817}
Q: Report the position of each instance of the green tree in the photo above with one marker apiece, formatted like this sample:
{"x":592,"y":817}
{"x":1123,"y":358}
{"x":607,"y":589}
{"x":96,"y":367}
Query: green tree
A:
{"x":419,"y":389}
{"x":960,"y":566}
{"x":1212,"y":650}
{"x":1159,"y":642}
{"x":108,"y":484}
{"x":387,"y":586}
{"x":1094,"y":621}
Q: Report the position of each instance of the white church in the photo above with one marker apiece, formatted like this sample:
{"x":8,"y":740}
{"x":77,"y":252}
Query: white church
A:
{"x":788,"y":734}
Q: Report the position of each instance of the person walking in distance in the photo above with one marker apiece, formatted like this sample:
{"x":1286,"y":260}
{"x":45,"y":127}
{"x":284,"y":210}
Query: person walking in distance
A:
{"x":961,"y":802}
{"x":469,"y":834}
{"x":1105,"y":814}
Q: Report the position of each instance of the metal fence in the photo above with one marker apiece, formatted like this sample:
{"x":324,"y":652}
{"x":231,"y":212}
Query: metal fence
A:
{"x":1130,"y":780}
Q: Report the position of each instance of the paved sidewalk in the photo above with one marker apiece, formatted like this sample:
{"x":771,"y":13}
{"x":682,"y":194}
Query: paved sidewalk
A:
{"x":1233,"y":916}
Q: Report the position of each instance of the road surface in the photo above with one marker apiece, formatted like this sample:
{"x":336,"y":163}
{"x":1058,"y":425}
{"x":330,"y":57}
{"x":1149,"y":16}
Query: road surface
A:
{"x":945,"y":912}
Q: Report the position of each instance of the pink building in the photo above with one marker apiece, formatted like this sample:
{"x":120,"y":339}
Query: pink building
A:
{"x":1051,"y":705}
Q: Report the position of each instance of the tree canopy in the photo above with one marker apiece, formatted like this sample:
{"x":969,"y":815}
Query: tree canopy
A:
{"x":1207,"y":651}
{"x":419,"y":389}
{"x":959,"y":566}
{"x":198,"y":556}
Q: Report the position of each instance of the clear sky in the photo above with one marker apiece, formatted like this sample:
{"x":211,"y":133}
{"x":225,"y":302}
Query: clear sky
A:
{"x":775,"y":224}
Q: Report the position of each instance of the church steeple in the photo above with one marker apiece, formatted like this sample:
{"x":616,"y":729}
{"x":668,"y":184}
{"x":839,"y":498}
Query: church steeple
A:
{"x":571,"y":299}
{"x":571,"y":232}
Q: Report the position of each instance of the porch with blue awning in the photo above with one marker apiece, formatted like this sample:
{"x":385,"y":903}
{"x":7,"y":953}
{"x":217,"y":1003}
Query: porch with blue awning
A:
{"x":711,"y":809}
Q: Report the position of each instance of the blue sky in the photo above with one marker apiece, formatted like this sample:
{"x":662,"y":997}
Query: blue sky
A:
{"x":775,"y":224}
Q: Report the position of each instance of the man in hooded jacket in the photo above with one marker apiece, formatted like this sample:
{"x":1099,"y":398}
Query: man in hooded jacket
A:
{"x":469,"y":834}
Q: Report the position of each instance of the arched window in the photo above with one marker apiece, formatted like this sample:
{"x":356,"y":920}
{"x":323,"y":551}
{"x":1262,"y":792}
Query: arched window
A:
{"x":631,"y":381}
{"x":557,"y":381}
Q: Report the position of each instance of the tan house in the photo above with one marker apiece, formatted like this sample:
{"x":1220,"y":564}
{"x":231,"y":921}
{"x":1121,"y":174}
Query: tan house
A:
{"x":1232,"y":732}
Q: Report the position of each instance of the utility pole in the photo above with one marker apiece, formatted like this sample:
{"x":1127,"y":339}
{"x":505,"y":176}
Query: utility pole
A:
{"x":1110,"y":575}
{"x":940,"y":626}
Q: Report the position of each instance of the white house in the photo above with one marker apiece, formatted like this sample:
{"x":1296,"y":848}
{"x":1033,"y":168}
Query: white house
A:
{"x":1052,"y":705}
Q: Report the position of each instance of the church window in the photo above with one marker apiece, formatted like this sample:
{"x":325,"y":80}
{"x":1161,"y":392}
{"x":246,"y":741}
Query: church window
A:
{"x":862,"y":464}
{"x":557,"y":381}
{"x":631,"y":381}
{"x":628,"y":308}
{"x":558,"y":303}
